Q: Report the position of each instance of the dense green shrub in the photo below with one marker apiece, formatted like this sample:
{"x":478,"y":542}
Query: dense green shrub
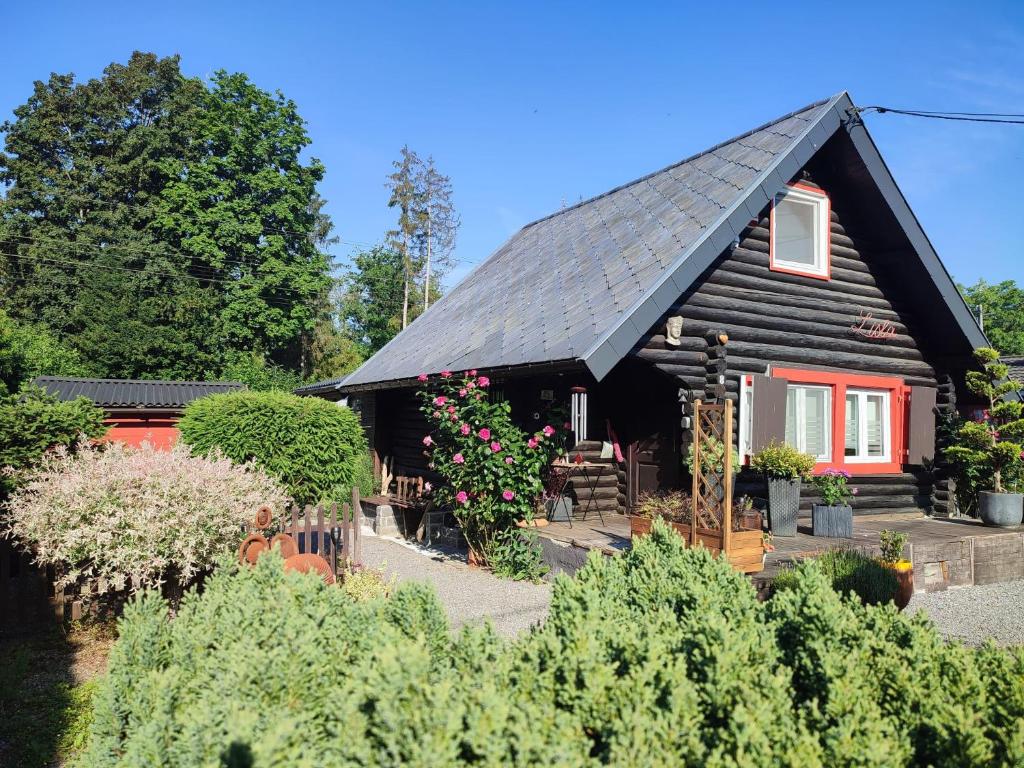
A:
{"x":257,"y":374}
{"x":848,"y":570}
{"x":660,"y":656}
{"x":313,"y":446}
{"x":515,"y":553}
{"x":28,"y":350}
{"x":34,"y":422}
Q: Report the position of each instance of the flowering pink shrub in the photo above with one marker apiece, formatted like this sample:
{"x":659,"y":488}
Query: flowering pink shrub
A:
{"x":492,"y":469}
{"x":129,"y":515}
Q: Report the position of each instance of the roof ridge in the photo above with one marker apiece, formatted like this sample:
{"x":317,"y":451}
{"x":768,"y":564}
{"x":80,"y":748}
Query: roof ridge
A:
{"x":676,"y":164}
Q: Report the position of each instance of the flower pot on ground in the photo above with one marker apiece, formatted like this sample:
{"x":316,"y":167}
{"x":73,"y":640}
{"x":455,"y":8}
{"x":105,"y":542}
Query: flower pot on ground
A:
{"x":1001,"y":510}
{"x":783,"y":467}
{"x":892,"y":544}
{"x":834,"y":517}
{"x":987,"y":455}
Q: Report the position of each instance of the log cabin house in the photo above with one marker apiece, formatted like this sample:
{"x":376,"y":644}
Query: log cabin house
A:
{"x":782,"y":269}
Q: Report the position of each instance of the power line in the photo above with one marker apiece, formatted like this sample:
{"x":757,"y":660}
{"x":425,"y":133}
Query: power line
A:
{"x":1005,"y":118}
{"x":275,"y":298}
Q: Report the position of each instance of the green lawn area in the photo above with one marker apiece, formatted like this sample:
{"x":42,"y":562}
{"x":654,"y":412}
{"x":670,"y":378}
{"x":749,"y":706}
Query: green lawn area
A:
{"x":46,"y":685}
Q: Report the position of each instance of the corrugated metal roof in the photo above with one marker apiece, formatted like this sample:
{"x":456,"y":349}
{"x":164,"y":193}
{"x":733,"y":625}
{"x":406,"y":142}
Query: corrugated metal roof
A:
{"x":134,"y":393}
{"x":321,"y":387}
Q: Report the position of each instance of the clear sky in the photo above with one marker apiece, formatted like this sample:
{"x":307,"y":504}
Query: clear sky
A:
{"x":526,"y":105}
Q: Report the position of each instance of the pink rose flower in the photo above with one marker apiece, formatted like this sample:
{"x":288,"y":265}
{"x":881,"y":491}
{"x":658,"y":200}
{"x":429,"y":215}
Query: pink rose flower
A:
{"x":453,"y":417}
{"x":470,"y":385}
{"x":483,"y":381}
{"x":509,"y":459}
{"x":507,"y":495}
{"x":462,"y":392}
{"x":451,"y":409}
{"x":464,"y":429}
{"x":495,"y":446}
{"x":421,"y":377}
{"x":462,"y":497}
{"x":485,"y":434}
{"x":473,"y":372}
{"x":428,"y":440}
{"x":458,"y":458}
{"x":440,"y":400}
{"x":437,"y":414}
{"x":446,"y":374}
{"x":532,"y":442}
{"x":548,"y":431}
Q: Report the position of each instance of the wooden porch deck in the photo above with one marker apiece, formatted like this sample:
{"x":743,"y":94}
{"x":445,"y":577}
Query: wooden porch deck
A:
{"x":946,"y":552}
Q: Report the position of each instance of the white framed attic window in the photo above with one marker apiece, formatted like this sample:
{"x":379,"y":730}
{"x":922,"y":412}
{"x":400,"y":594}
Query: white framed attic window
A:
{"x":799,"y":236}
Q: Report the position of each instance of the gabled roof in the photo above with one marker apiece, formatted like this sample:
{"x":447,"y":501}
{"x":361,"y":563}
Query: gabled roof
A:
{"x":584,"y":284}
{"x":133,"y":393}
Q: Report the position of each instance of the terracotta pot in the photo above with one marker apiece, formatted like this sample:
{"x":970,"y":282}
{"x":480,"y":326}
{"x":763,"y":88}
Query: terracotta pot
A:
{"x":255,"y":544}
{"x":310,"y":563}
{"x":537,"y":522}
{"x":904,"y":572}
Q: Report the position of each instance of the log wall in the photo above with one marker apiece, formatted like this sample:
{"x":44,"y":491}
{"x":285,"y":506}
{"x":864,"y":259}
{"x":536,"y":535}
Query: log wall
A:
{"x":782,"y":320}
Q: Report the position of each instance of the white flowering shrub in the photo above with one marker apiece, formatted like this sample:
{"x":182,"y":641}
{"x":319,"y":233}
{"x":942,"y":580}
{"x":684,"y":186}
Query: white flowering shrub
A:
{"x":135,"y":517}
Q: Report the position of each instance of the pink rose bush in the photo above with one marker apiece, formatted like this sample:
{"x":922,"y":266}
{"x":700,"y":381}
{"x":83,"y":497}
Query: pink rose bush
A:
{"x":135,"y":518}
{"x":492,"y":469}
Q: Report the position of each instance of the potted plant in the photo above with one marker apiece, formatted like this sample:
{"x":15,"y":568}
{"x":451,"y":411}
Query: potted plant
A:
{"x":993,"y":441}
{"x":892,"y":544}
{"x":834,"y":517}
{"x":784,"y":467}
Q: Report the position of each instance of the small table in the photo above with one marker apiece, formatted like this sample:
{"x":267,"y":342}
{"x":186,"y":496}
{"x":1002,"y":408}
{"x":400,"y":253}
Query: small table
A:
{"x":591,"y":473}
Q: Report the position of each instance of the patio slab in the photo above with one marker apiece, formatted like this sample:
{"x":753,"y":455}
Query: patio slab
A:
{"x":946,"y":552}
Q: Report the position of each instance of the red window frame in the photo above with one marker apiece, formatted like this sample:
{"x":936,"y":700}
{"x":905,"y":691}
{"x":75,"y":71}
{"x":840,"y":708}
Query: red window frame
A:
{"x":839,"y":382}
{"x":828,"y":237}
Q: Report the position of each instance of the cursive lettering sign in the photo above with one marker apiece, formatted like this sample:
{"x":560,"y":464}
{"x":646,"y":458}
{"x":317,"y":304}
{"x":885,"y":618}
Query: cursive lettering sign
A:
{"x":870,"y":328}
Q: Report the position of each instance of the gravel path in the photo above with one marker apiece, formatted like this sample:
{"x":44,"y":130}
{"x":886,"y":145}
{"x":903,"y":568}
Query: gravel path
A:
{"x":470,"y":595}
{"x":974,"y":614}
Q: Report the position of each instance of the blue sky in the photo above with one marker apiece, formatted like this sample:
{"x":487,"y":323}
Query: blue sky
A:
{"x":527,"y":105}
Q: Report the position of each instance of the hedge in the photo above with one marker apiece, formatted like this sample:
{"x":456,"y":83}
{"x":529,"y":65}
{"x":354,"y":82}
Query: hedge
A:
{"x":660,"y":656}
{"x":314,"y":447}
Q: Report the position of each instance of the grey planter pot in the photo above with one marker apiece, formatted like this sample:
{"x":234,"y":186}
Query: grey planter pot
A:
{"x":1002,"y":510}
{"x":558,"y":510}
{"x":835,"y":522}
{"x":783,"y":505}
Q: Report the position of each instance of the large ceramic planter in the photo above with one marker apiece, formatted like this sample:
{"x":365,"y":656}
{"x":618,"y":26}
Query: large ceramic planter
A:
{"x":833,"y":521}
{"x":904,"y":572}
{"x":783,"y":506}
{"x":1002,"y":510}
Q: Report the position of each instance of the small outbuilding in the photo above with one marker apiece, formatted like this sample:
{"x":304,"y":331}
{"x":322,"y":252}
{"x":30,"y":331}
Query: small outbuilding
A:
{"x":137,"y":410}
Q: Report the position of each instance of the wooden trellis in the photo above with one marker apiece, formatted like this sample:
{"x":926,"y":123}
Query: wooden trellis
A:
{"x":712,"y":477}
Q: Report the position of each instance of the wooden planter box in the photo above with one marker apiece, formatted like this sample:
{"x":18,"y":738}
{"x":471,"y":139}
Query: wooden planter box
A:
{"x":746,"y":550}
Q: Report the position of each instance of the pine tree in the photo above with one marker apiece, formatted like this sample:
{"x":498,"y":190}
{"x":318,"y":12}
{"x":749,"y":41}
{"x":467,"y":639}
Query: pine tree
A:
{"x":441,"y":224}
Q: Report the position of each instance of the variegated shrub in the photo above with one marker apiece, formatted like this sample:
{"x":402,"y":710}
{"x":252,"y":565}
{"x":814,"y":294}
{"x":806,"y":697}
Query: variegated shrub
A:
{"x":135,"y":517}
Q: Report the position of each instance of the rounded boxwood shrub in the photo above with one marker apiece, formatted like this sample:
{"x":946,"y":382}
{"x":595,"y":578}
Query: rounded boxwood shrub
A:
{"x":660,"y":656}
{"x":314,"y":447}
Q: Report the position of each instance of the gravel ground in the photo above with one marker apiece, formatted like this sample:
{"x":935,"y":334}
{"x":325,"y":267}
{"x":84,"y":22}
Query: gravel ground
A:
{"x":470,"y":595}
{"x":974,"y":614}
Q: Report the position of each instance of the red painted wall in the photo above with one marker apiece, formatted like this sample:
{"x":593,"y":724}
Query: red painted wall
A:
{"x":161,"y":433}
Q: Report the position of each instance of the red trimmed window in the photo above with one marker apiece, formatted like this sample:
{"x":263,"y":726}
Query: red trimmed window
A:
{"x":799,"y":232}
{"x":846,"y":421}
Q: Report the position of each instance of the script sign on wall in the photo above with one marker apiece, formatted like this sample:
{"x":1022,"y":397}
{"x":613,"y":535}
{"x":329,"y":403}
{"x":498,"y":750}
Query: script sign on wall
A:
{"x":870,"y":328}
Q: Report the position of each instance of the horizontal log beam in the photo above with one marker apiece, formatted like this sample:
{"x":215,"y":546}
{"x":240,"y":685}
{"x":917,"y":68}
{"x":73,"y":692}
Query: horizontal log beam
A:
{"x":829,"y":287}
{"x":764,"y":280}
{"x":766,"y":294}
{"x":747,"y":353}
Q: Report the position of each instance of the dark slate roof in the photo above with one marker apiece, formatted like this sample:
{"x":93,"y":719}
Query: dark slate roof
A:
{"x":322,"y":387}
{"x":585,"y":283}
{"x":1016,"y":365}
{"x":134,"y":393}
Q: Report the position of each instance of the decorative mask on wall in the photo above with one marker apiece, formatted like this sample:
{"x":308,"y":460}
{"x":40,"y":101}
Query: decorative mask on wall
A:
{"x":673,"y":330}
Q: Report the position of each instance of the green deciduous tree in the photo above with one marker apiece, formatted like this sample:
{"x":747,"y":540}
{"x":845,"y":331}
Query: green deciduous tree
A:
{"x":28,"y":350}
{"x":157,"y":223}
{"x":373,"y":297}
{"x":1002,"y":309}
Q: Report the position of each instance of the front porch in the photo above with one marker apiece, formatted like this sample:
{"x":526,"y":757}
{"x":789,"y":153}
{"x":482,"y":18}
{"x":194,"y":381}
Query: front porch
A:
{"x":946,"y":552}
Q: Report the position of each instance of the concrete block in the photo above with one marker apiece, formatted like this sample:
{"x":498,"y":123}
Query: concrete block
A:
{"x":384,"y":523}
